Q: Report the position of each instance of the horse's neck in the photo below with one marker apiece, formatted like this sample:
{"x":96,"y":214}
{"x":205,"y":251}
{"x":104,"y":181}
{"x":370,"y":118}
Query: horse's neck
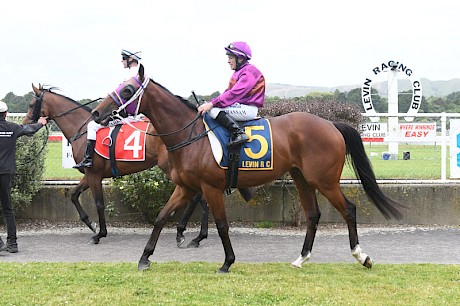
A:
{"x":168,"y":114}
{"x":73,"y":123}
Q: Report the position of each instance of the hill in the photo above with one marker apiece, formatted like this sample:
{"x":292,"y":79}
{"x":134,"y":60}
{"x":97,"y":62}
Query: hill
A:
{"x":429,"y":88}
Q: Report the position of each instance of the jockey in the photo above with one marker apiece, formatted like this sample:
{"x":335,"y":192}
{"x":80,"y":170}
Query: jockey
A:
{"x":244,"y":95}
{"x":130,"y":62}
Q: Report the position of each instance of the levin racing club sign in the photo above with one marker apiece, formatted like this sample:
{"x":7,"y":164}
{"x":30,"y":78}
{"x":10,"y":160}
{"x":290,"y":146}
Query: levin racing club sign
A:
{"x":376,"y":132}
{"x":402,"y":69}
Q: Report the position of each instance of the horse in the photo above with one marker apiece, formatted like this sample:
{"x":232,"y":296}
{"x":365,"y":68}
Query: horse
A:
{"x":311,"y":149}
{"x":72,"y":117}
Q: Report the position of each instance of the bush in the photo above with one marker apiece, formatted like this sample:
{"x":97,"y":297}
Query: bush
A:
{"x":30,"y":162}
{"x":327,"y":109}
{"x":146,"y":191}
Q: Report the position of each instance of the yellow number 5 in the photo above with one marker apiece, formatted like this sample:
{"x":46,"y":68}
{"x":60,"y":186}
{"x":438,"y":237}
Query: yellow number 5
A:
{"x":263,"y":142}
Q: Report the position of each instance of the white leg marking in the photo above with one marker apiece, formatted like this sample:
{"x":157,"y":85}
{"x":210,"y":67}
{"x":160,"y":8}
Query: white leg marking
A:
{"x":299,"y":261}
{"x":359,"y":254}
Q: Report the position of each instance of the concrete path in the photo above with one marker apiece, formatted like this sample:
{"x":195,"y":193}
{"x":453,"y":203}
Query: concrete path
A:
{"x":398,"y":244}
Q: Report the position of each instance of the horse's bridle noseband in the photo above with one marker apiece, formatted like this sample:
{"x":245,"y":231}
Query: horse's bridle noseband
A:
{"x":37,"y":107}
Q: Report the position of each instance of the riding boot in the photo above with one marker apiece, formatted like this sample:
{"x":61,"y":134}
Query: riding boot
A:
{"x":87,"y":161}
{"x":238,"y":135}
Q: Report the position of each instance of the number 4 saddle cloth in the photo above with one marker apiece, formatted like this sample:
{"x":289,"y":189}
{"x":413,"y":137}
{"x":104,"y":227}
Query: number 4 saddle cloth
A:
{"x":256,"y":154}
{"x":129,"y":140}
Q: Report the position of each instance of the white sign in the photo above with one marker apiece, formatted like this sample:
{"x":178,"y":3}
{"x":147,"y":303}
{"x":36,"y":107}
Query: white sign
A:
{"x":417,"y":130}
{"x":67,"y":154}
{"x":373,"y":132}
{"x":366,"y":88}
{"x":455,"y":148}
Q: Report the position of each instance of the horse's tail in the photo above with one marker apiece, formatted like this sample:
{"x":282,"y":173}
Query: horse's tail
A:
{"x":363,"y":170}
{"x":246,"y":193}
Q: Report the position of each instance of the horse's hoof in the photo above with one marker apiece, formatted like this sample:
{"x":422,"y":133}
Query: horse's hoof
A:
{"x":221,"y":271}
{"x":193,"y":244}
{"x":368,"y":262}
{"x":94,"y":226}
{"x":143,"y":265}
{"x":93,"y":241}
{"x":180,"y":241}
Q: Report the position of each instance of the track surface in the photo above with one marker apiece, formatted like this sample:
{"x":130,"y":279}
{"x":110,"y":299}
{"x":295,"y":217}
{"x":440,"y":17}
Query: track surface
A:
{"x":400,"y":244}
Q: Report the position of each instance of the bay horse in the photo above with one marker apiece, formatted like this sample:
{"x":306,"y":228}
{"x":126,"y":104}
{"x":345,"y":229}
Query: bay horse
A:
{"x":72,"y":117}
{"x":313,"y":150}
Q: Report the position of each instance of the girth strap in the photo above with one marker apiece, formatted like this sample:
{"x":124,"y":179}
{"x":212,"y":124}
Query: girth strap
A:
{"x":232,"y":171}
{"x":113,"y":144}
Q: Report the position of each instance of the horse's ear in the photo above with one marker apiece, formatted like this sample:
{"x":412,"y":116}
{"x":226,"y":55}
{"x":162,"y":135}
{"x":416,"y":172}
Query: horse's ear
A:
{"x":141,"y":73}
{"x":35,"y":89}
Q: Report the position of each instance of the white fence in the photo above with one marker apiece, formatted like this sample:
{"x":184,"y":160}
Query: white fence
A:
{"x":440,"y":137}
{"x":438,"y":143}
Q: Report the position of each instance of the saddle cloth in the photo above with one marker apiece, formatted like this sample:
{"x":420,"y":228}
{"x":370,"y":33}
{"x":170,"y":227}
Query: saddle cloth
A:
{"x":256,"y":154}
{"x":129,"y":143}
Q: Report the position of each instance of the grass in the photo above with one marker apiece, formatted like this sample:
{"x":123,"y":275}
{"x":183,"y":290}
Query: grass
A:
{"x":197,"y":283}
{"x":424,"y":163}
{"x":53,"y":164}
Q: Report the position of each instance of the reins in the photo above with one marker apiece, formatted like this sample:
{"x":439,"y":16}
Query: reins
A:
{"x":138,"y":96}
{"x":174,"y":147}
{"x":39,"y":100}
{"x":75,"y":108}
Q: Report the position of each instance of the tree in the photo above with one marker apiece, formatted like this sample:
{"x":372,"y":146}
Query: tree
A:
{"x":17,"y":104}
{"x":404,"y":101}
{"x":354,"y":97}
{"x":339,"y":96}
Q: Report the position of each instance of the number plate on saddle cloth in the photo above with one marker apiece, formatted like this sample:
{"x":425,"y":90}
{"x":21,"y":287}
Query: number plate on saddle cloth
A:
{"x":130,"y":142}
{"x":256,"y":154}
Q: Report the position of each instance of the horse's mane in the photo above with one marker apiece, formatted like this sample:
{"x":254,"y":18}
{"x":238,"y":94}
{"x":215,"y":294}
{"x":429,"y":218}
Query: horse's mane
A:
{"x":189,"y":103}
{"x":51,"y":89}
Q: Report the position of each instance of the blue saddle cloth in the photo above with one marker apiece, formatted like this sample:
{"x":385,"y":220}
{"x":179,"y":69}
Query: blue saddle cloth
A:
{"x":256,"y":154}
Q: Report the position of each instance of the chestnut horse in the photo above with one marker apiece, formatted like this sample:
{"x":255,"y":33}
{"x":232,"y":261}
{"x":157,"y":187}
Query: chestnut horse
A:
{"x":313,"y":151}
{"x":72,"y":118}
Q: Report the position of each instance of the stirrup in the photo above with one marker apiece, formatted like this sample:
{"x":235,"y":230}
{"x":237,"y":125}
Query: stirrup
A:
{"x":85,"y":163}
{"x":240,"y":139}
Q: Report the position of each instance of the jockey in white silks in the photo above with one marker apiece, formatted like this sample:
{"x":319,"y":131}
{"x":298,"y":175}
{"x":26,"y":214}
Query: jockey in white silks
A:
{"x":131,"y":62}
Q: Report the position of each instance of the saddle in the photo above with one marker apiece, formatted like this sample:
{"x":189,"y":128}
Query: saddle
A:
{"x":256,"y":154}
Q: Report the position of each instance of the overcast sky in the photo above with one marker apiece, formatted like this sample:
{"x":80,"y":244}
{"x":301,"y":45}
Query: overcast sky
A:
{"x":76,"y":45}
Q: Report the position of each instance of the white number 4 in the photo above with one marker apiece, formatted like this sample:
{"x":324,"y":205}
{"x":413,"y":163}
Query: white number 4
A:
{"x":135,"y":139}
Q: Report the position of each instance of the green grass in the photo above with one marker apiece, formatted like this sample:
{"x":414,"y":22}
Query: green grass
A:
{"x":53,"y":164}
{"x":197,"y":283}
{"x":424,"y":163}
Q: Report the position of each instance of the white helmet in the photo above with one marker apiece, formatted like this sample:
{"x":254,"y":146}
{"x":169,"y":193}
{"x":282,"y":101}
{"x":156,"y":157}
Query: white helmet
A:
{"x":3,"y":107}
{"x":133,"y":55}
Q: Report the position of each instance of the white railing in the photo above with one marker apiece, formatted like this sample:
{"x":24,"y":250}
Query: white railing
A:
{"x":443,"y":139}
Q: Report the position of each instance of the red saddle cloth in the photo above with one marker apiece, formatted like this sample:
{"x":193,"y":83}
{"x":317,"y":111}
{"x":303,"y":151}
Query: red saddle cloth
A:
{"x":130,"y":142}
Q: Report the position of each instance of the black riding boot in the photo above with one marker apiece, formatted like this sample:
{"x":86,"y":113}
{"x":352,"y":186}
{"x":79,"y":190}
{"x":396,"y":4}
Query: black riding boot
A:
{"x":87,"y":161}
{"x":238,"y":135}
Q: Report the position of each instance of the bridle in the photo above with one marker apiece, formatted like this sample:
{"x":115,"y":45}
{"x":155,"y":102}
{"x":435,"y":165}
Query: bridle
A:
{"x":38,"y":107}
{"x":37,"y":111}
{"x":117,"y":114}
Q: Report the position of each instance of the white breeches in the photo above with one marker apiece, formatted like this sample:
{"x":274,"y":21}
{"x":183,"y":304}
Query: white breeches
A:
{"x":239,"y":112}
{"x":93,"y":127}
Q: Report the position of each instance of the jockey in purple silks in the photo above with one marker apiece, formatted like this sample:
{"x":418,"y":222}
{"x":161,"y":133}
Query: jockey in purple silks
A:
{"x":130,"y":62}
{"x":243,"y":97}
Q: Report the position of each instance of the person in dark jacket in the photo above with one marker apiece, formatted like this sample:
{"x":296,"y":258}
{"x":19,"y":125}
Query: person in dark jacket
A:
{"x":9,"y":132}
